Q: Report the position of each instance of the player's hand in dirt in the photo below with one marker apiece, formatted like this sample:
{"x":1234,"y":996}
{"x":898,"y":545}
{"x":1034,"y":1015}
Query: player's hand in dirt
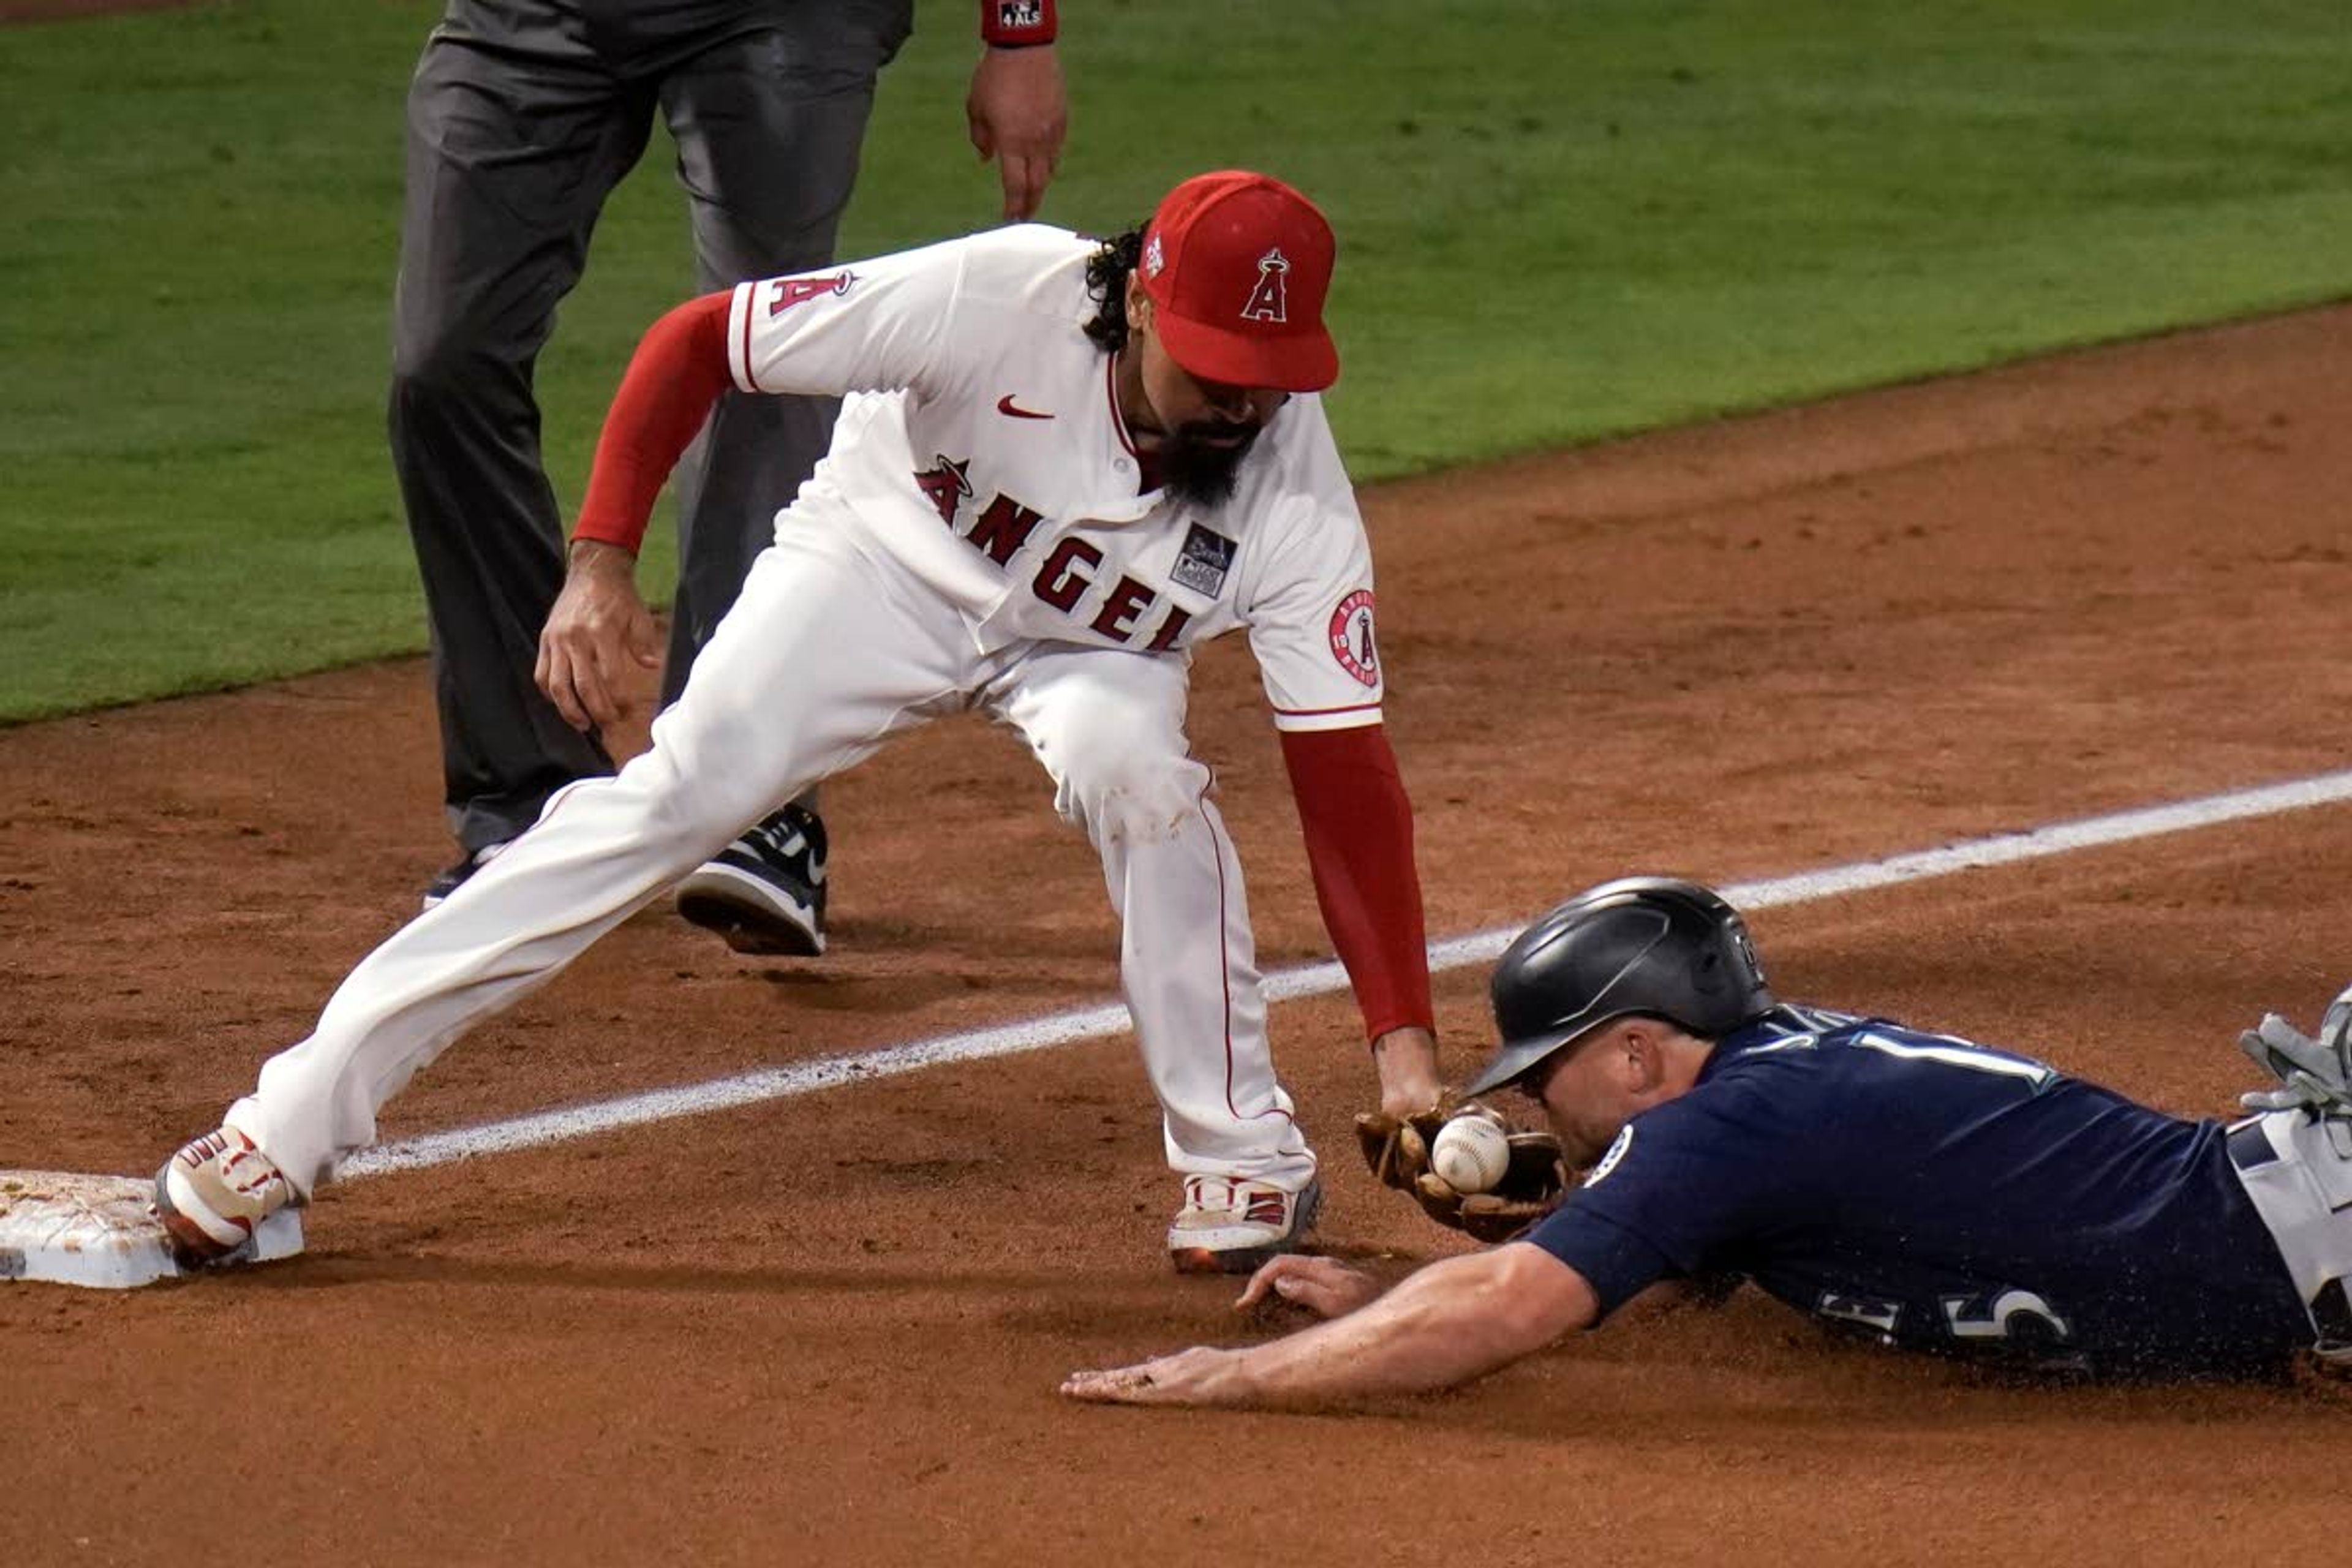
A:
{"x":1019,"y":113}
{"x":1324,"y":1286}
{"x":1201,"y":1375}
{"x":597,"y":636}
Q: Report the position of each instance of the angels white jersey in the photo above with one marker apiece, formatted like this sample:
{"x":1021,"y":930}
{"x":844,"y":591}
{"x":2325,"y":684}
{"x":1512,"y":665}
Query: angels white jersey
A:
{"x":980,"y":448}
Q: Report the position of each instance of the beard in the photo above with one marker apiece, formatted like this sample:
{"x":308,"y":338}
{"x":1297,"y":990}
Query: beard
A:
{"x":1199,"y":471}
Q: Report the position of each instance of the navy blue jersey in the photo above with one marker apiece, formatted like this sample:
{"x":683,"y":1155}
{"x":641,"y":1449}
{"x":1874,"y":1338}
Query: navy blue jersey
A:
{"x":1944,"y":1196}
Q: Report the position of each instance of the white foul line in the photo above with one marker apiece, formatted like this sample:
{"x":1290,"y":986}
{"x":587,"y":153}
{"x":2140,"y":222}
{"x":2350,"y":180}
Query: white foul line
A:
{"x":567,"y":1123}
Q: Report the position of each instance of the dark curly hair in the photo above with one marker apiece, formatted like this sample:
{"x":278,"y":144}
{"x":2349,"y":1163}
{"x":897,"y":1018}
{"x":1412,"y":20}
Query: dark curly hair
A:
{"x":1106,"y":274}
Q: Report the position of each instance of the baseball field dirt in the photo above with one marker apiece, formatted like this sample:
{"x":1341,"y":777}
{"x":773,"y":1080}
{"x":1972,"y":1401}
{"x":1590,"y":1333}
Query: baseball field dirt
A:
{"x":829,"y":1328}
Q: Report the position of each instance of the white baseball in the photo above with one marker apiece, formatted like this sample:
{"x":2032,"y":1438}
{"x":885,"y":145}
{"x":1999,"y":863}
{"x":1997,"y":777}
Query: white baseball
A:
{"x":1470,"y":1154}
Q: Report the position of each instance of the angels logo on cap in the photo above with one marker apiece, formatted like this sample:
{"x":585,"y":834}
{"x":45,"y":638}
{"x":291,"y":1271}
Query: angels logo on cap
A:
{"x":1265,"y":302}
{"x":1234,"y":238}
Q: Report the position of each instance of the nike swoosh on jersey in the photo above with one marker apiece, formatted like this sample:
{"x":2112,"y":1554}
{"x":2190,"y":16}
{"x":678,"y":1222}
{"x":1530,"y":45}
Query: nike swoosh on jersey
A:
{"x":1006,"y":405}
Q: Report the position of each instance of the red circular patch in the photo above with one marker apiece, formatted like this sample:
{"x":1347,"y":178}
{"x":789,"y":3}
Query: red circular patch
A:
{"x":1351,"y":637}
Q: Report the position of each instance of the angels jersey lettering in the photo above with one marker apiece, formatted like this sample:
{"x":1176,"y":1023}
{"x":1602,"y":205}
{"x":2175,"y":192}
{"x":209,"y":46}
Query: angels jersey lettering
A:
{"x":980,"y":448}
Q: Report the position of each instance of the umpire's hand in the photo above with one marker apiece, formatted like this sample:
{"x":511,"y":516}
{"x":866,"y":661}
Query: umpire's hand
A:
{"x":1018,"y":114}
{"x":598,"y":628}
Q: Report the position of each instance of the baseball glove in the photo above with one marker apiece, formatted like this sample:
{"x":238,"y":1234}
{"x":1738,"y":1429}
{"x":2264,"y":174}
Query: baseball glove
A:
{"x":1397,"y":1149}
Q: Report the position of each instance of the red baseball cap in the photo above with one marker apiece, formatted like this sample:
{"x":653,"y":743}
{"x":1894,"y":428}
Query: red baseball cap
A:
{"x":1238,"y":265}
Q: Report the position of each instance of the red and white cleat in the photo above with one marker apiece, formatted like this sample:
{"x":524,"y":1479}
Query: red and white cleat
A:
{"x":215,"y":1191}
{"x":1230,"y":1225}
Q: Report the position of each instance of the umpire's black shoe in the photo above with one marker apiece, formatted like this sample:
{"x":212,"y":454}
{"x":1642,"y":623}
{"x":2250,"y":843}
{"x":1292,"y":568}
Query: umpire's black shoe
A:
{"x":765,"y":892}
{"x":452,"y":876}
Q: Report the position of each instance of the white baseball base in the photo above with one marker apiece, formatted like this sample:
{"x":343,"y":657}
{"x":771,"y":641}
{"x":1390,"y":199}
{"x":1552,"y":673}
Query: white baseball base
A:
{"x":96,"y":1231}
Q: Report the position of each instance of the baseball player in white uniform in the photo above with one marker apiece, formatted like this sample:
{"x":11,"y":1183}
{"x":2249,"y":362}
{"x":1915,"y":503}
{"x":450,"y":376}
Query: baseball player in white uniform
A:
{"x":1062,"y":463}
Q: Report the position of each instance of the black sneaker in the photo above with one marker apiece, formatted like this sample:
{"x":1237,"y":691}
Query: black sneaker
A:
{"x":765,"y":892}
{"x":452,"y":876}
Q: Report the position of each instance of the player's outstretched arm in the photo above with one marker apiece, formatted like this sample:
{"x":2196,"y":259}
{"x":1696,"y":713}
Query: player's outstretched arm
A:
{"x":1358,"y":825}
{"x":1444,"y":1325}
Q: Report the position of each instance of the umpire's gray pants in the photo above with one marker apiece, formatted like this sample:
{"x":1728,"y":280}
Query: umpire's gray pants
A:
{"x":523,"y":117}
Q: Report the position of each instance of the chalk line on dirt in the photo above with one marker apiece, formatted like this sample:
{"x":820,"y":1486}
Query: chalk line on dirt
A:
{"x":567,"y":1123}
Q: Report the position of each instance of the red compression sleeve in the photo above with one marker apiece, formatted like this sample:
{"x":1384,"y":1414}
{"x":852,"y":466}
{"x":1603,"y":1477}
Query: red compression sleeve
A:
{"x":1359,"y":827}
{"x":673,"y":378}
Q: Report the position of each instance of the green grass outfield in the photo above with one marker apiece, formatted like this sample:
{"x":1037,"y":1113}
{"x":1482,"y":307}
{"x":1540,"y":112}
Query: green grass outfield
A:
{"x":1558,"y":219}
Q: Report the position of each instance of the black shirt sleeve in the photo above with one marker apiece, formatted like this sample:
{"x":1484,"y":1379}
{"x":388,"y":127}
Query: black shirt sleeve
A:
{"x":1683,"y":1183}
{"x":1616,"y":1262}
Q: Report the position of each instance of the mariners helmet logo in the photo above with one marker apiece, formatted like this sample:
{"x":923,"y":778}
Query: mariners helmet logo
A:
{"x":1267,"y":300}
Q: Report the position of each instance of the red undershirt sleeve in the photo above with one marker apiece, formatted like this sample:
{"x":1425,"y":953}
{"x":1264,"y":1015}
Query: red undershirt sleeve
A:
{"x":1359,"y":829}
{"x":673,"y":380}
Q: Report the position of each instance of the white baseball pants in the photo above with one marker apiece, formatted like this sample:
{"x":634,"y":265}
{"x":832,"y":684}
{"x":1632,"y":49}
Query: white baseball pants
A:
{"x":828,"y":652}
{"x":2297,"y":1169}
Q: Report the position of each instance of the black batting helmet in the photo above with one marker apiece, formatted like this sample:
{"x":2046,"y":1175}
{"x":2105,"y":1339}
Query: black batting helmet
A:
{"x":1650,"y":945}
